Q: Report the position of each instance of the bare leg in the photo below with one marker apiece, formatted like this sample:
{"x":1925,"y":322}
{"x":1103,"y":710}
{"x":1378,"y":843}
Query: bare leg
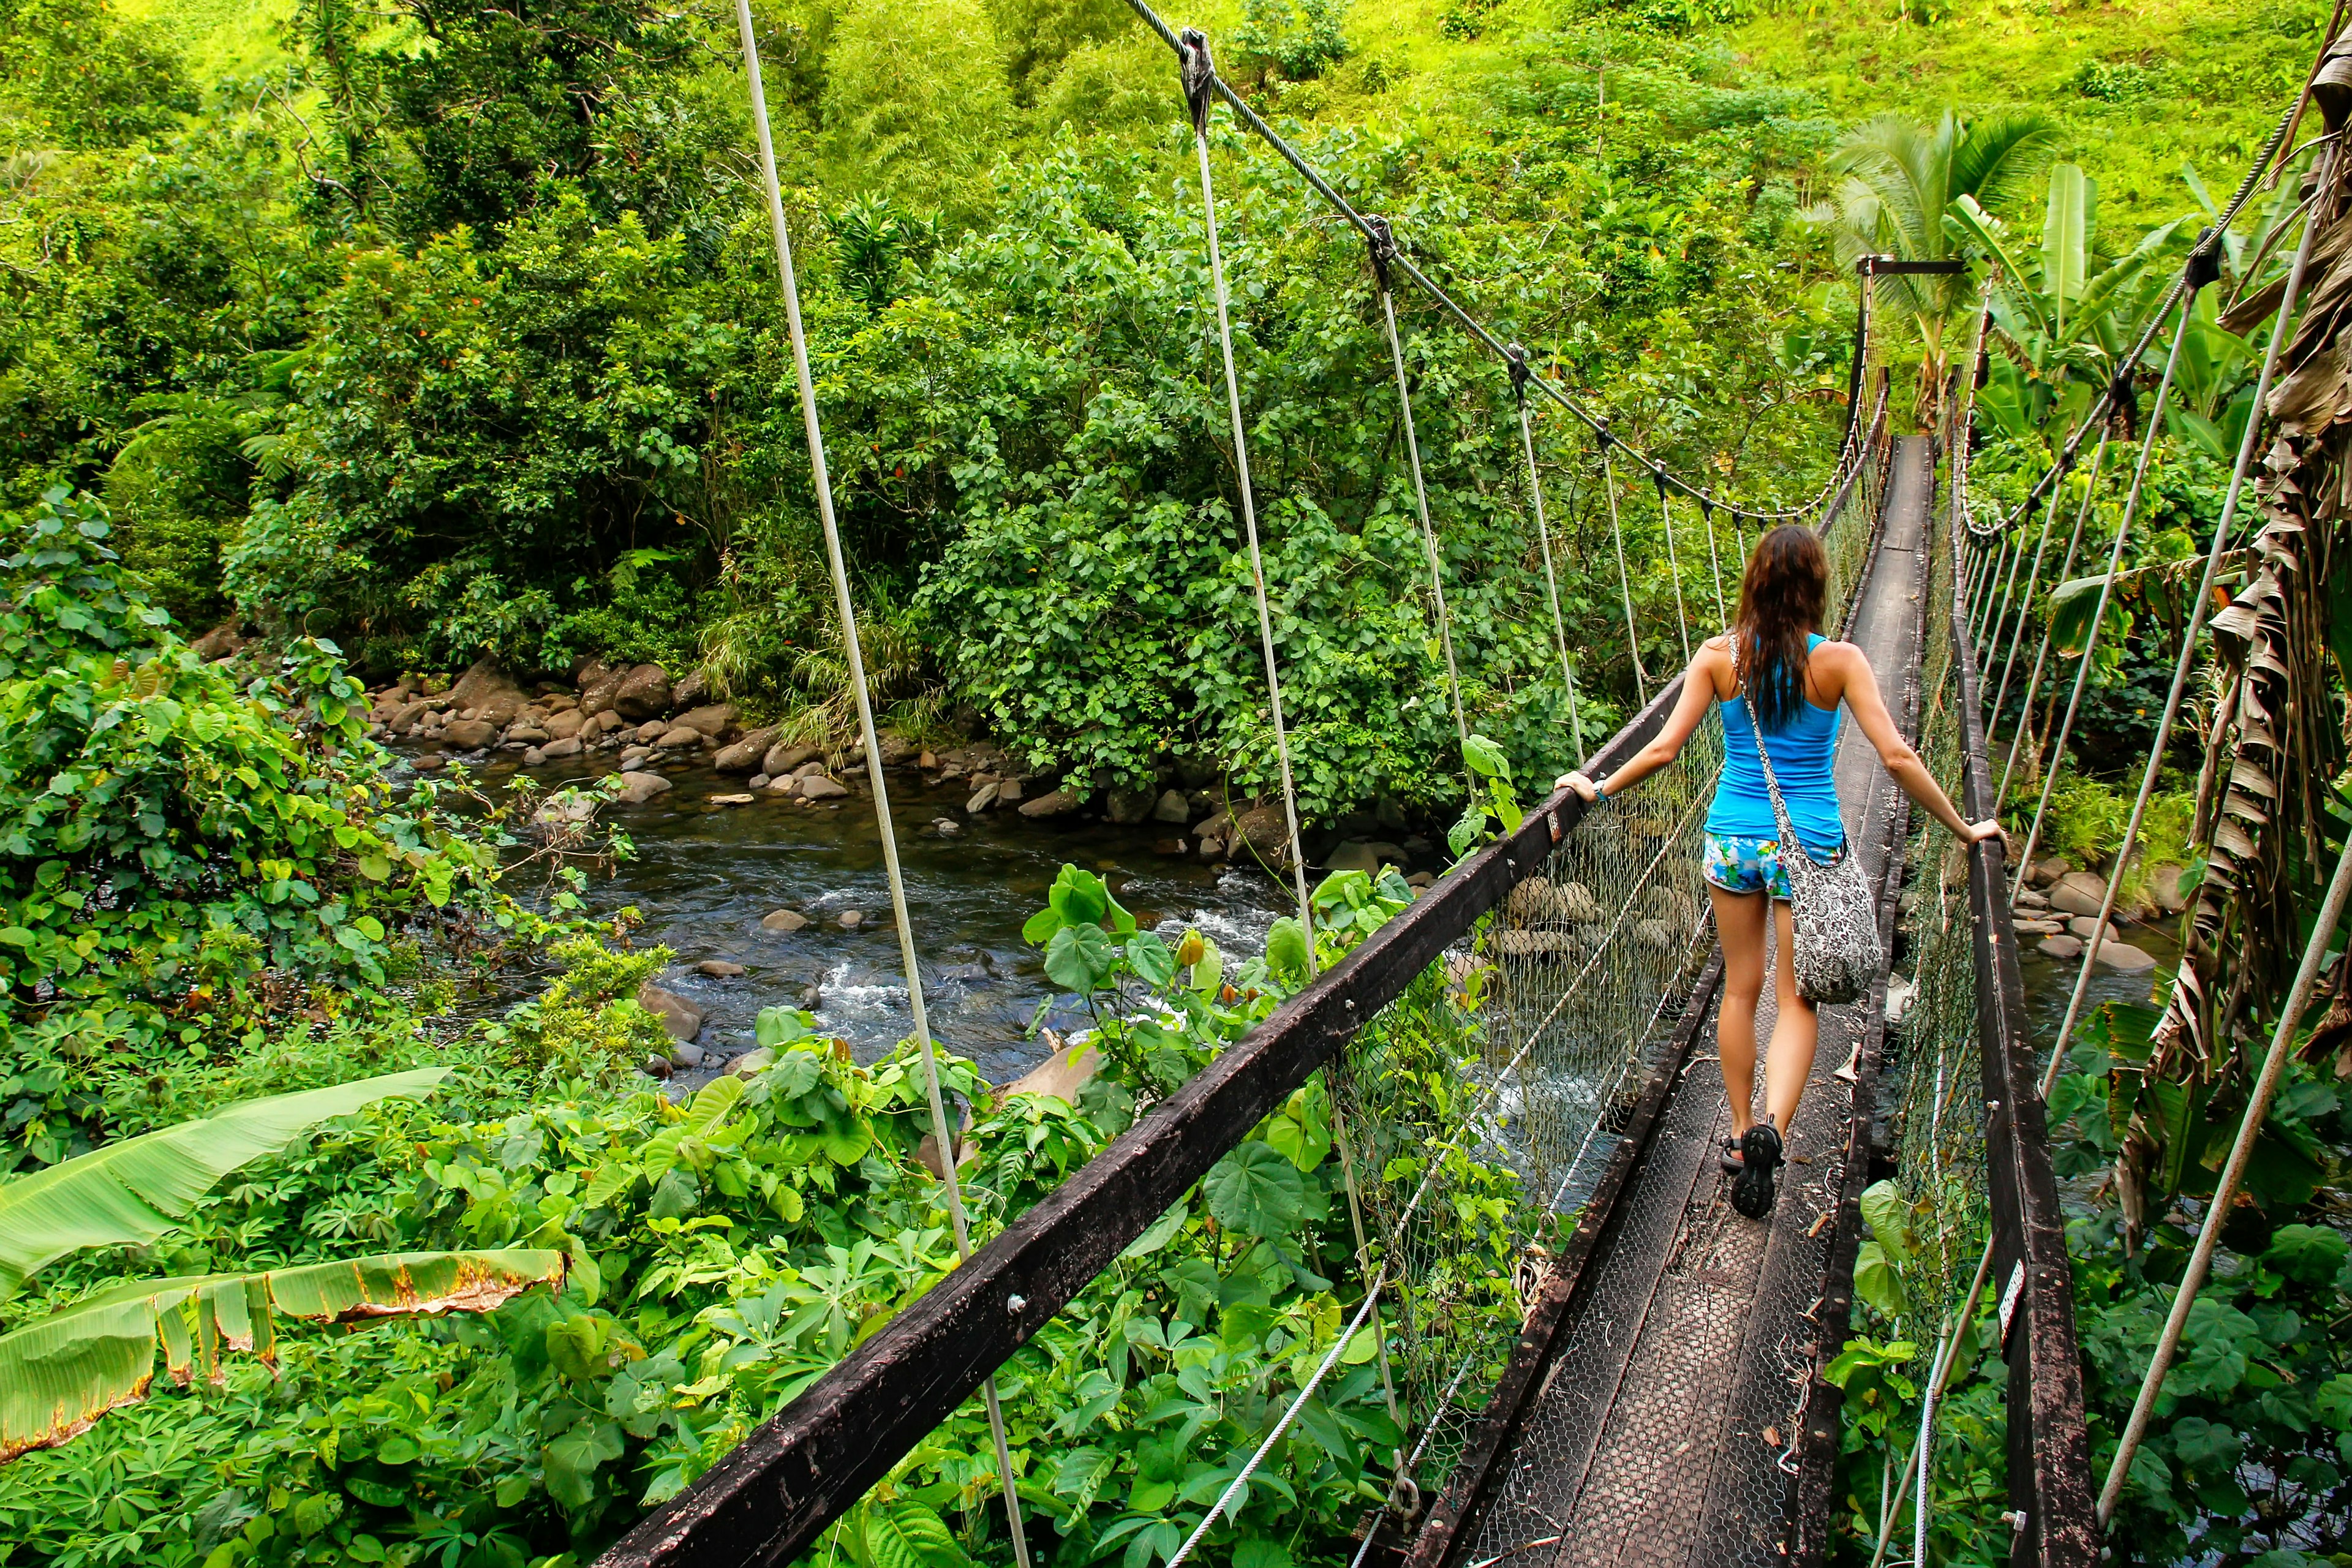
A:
{"x":1795,"y":1032}
{"x":1740,"y":927}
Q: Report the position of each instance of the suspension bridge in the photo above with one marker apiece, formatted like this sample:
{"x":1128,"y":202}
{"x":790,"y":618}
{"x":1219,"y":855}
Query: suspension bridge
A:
{"x":1661,"y":1393}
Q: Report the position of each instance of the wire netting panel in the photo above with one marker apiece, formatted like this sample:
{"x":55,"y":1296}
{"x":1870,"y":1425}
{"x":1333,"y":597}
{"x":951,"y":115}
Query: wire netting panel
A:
{"x":1934,"y":1068}
{"x":1567,"y":992}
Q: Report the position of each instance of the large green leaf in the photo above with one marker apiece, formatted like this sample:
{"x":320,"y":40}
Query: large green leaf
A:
{"x":134,"y":1191}
{"x":59,"y":1374}
{"x":2065,"y":252}
{"x":1256,"y":1189}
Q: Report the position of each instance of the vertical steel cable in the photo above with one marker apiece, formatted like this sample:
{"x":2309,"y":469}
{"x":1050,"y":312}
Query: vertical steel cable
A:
{"x":1673,"y":566}
{"x":1518,"y":357}
{"x":1714,"y":561}
{"x":1383,"y":249}
{"x":2024,"y":607}
{"x":940,"y":1131}
{"x":2225,"y":1193}
{"x":1198,"y":72}
{"x":1624,"y":581}
{"x":2041,"y":653}
{"x":2106,"y":590}
{"x":2187,"y":658}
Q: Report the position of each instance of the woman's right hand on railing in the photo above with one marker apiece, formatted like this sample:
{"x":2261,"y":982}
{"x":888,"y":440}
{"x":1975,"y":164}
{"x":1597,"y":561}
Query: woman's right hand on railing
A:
{"x":1586,"y":790}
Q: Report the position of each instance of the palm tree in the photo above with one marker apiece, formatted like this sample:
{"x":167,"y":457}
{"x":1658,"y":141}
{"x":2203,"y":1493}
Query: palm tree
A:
{"x":1901,"y":179}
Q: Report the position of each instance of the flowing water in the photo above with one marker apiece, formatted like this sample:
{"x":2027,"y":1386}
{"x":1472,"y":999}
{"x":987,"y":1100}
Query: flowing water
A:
{"x":704,"y":876}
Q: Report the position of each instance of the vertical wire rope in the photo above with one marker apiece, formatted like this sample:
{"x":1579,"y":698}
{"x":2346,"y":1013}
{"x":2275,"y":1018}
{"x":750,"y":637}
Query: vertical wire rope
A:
{"x":1624,"y":580}
{"x":2106,"y":590}
{"x":2225,"y":1193}
{"x":940,"y":1131}
{"x":1674,"y":565}
{"x":1421,"y":502}
{"x":2186,"y":660}
{"x":1714,"y":563}
{"x":1543,"y":539}
{"x":2024,"y":607}
{"x":2041,"y":653}
{"x":1198,"y":95}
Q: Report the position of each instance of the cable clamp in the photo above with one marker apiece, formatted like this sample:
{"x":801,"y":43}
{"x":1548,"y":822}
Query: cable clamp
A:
{"x":1658,"y":478}
{"x":1381,"y":241}
{"x":2204,"y":261}
{"x":1197,"y":71}
{"x":1516,"y":356}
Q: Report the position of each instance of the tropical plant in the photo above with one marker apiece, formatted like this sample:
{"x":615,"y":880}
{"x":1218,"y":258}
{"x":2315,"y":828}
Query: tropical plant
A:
{"x":1901,"y":180}
{"x":134,"y":1189}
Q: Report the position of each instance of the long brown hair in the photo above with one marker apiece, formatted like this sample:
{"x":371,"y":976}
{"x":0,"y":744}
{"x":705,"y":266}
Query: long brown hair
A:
{"x":1781,"y":597}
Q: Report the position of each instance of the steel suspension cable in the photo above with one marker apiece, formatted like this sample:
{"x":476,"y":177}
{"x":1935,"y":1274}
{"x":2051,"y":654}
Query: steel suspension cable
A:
{"x":1714,"y":561}
{"x":1673,"y":566}
{"x":1624,"y":580}
{"x":2033,"y":586}
{"x":2182,"y":664}
{"x":2106,"y":589}
{"x":2233,"y":1174}
{"x":1197,"y":72}
{"x":1383,"y":250}
{"x":2041,"y":653}
{"x":941,"y":1132}
{"x":1543,"y":539}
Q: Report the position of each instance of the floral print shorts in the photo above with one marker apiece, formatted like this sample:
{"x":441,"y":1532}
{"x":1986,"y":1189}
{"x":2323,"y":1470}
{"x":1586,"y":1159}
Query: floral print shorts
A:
{"x":1739,"y":865}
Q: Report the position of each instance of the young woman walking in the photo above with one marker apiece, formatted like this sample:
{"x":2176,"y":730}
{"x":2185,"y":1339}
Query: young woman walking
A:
{"x":1774,"y":669}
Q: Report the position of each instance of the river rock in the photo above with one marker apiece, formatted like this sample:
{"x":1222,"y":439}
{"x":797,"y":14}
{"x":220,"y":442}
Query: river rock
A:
{"x":533,"y":757}
{"x":1129,"y":806}
{"x":658,"y":1067}
{"x":632,"y":755}
{"x":744,"y":799}
{"x":1576,"y":901}
{"x":405,"y":717}
{"x":783,"y":759}
{"x":1171,"y":806}
{"x":2124,"y":957}
{"x":1354,"y":854}
{"x":2079,"y":893}
{"x":720,"y":968}
{"x":686,"y":1054}
{"x":1169,"y":847}
{"x":637,"y":788}
{"x":819,"y":787}
{"x":946,"y":826}
{"x":643,"y":693}
{"x":681,"y":1017}
{"x":2050,"y":870}
{"x":1265,"y":832}
{"x":564,"y":725}
{"x":752,"y":1062}
{"x":744,"y":756}
{"x":1008,"y":790}
{"x":428,"y":761}
{"x":1063,"y":1075}
{"x":1210,"y":848}
{"x":2084,"y":925}
{"x":1060,"y":803}
{"x":714,"y":719}
{"x":2027,"y":899}
{"x":470,"y":734}
{"x":784,"y":920}
{"x":2164,"y":887}
{"x":850,"y":919}
{"x":528,"y":734}
{"x":2062,"y":946}
{"x":562,"y":746}
{"x":897,"y":749}
{"x":678,"y":735}
{"x":981,"y":799}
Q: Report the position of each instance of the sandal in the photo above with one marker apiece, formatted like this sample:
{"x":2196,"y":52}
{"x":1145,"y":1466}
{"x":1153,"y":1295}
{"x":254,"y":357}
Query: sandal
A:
{"x":1731,"y":1160}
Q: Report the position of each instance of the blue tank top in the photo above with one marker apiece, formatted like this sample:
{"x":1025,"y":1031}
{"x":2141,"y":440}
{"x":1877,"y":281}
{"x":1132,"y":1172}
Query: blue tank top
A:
{"x":1804,"y":754}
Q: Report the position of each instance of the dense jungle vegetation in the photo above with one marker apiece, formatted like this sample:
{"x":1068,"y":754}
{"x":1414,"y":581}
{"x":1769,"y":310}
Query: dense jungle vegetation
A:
{"x":411,"y":337}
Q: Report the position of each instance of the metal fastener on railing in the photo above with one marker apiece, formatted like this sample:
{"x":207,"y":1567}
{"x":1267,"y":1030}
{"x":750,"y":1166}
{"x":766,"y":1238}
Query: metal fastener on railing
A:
{"x":1014,"y":1304}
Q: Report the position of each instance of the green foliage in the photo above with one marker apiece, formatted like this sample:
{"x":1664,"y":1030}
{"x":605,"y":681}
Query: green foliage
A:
{"x":73,"y":75}
{"x":1299,"y":39}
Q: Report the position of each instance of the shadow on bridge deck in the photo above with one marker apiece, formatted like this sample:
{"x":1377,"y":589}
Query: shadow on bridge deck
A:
{"x":1671,"y":1426}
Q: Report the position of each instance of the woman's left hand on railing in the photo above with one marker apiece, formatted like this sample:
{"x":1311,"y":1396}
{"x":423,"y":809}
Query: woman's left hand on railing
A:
{"x":1584,"y":787}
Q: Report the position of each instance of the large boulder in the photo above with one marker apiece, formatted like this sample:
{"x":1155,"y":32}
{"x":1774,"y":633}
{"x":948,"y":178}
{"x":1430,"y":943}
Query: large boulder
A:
{"x":564,"y":725}
{"x":469,"y":735}
{"x":2124,"y":957}
{"x":485,"y":680}
{"x":596,"y":697}
{"x":562,"y":746}
{"x":2079,"y":893}
{"x":643,"y":693}
{"x":681,"y":1017}
{"x":1064,"y":1075}
{"x":637,"y":788}
{"x":714,"y":719}
{"x":784,"y":758}
{"x":1171,"y":806}
{"x":819,"y":787}
{"x":746,"y":754}
{"x":1061,"y":803}
{"x":2164,"y":887}
{"x":1267,"y":833}
{"x":1129,"y":806}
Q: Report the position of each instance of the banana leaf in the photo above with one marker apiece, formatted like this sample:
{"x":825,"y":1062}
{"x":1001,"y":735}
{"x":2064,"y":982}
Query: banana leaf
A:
{"x":2065,"y":229}
{"x":134,"y":1191}
{"x":59,"y":1374}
